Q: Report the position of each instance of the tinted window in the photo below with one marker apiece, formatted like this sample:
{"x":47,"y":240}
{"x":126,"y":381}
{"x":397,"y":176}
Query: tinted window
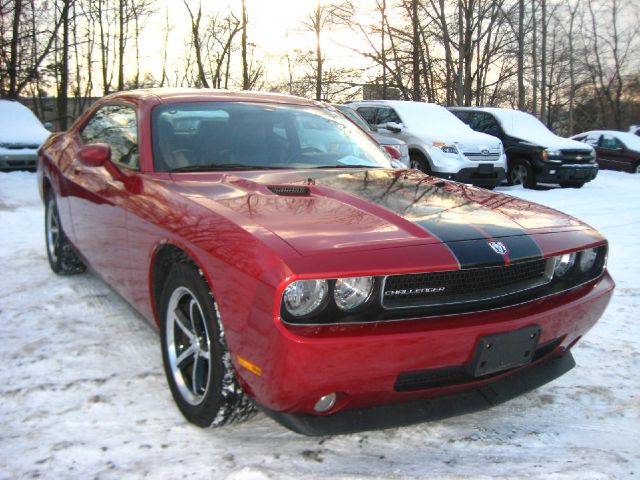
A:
{"x":368,"y":113}
{"x":387,"y":115}
{"x":485,"y":123}
{"x":611,"y":143}
{"x":462,"y":115}
{"x":220,"y":135}
{"x":117,"y":126}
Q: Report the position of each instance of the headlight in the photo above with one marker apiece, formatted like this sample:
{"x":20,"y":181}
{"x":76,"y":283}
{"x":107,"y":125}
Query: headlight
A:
{"x":564,"y":264}
{"x":551,"y":152}
{"x":588,"y":259}
{"x":350,"y":293}
{"x":304,"y":297}
{"x":446,"y":147}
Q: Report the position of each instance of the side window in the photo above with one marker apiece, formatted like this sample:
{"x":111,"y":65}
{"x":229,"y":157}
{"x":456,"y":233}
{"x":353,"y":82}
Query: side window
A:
{"x":387,"y":115}
{"x":368,"y":113}
{"x":117,"y":126}
{"x":610,"y":143}
{"x":462,"y":115}
{"x":591,"y":139}
{"x":485,"y":123}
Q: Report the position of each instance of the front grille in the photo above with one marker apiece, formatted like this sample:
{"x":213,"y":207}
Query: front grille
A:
{"x":463,"y":286}
{"x":481,"y":157}
{"x":576,"y":156}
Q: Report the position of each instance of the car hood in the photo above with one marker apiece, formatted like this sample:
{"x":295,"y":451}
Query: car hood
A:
{"x":554,"y":142}
{"x":464,"y":137}
{"x":315,"y":211}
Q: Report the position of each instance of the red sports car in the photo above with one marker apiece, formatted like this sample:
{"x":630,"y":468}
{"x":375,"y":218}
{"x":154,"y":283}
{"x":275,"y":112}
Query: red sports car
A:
{"x":288,"y":267}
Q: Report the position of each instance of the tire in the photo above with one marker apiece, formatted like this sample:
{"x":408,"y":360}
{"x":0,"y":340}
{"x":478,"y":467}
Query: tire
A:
{"x":636,"y":168}
{"x":521,"y":173}
{"x":194,"y":351}
{"x":572,"y":184}
{"x":419,"y":162}
{"x":63,"y":259}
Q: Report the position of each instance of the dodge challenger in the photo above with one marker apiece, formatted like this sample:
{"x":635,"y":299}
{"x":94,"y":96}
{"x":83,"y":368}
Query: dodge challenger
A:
{"x":289,"y":268}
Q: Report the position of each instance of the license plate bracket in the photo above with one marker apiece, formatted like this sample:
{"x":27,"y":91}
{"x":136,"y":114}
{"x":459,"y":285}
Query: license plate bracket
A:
{"x":504,"y":351}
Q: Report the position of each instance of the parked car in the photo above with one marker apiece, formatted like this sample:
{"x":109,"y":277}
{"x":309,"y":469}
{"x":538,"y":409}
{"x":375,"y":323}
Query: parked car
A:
{"x":614,"y":150}
{"x":439,"y":144}
{"x":21,"y":134}
{"x":286,"y":265}
{"x":391,"y":144}
{"x":534,"y":153}
{"x":634,"y":129}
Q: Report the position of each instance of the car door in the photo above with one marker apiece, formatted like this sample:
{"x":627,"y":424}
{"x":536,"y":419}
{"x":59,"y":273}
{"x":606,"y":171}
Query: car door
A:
{"x":98,"y":201}
{"x":611,"y":153}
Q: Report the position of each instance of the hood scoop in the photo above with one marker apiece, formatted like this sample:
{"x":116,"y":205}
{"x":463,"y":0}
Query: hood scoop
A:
{"x":289,"y":190}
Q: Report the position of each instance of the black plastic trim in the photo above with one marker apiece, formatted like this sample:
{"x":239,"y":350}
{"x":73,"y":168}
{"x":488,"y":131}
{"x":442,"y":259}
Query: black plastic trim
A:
{"x":390,"y":416}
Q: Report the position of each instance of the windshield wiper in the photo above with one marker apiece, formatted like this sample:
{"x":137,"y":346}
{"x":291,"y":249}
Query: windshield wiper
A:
{"x":221,"y":167}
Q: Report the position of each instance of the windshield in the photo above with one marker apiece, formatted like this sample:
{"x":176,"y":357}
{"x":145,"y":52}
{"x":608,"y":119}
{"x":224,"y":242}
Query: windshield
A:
{"x":240,"y":135}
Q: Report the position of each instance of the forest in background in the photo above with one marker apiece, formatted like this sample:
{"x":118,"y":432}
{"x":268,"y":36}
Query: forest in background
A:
{"x":573,"y":63}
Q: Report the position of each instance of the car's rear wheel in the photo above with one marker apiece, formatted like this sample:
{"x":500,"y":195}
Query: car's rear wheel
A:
{"x":196,"y":360}
{"x":62,"y":258}
{"x":419,"y":162}
{"x":521,"y":173}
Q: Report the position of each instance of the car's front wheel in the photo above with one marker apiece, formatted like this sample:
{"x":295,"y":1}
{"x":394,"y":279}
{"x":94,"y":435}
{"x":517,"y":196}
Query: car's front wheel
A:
{"x":419,"y":162}
{"x":196,"y":360}
{"x":521,"y":173}
{"x":62,"y":258}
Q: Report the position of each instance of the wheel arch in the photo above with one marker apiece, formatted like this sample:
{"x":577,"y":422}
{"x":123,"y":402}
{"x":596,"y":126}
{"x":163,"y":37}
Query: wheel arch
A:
{"x":164,"y":257}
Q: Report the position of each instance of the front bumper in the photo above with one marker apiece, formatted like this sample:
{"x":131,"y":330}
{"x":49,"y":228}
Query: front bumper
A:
{"x":482,"y":397}
{"x":565,"y":173}
{"x":363,"y":363}
{"x":483,"y":175}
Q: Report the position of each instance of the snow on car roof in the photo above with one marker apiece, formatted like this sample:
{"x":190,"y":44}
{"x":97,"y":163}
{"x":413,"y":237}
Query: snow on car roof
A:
{"x":18,"y":124}
{"x":630,"y":140}
{"x":421,"y":116}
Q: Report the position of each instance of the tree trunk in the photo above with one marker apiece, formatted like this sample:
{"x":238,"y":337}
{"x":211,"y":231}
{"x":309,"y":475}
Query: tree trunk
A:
{"x":245,"y":63}
{"x":121,"y":34}
{"x":319,"y":60}
{"x":15,"y":45}
{"x":415,"y":53}
{"x":63,"y":88}
{"x":543,"y":65}
{"x":521,"y":96}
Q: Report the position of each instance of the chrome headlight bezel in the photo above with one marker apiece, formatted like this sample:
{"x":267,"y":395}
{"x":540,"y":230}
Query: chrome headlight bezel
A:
{"x":351,"y":293}
{"x":305,"y":298}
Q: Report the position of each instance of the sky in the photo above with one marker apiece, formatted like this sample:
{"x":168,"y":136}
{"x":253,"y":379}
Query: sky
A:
{"x":274,"y":26}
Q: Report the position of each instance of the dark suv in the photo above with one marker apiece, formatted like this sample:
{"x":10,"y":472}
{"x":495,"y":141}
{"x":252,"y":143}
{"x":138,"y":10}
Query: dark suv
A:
{"x":534,"y":153}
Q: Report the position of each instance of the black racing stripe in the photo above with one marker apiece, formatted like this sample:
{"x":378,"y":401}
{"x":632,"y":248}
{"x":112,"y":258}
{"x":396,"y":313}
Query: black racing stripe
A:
{"x":475,"y":254}
{"x":449,"y":231}
{"x":521,"y":247}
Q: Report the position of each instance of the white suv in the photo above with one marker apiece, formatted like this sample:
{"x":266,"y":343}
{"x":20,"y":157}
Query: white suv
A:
{"x":439,"y":143}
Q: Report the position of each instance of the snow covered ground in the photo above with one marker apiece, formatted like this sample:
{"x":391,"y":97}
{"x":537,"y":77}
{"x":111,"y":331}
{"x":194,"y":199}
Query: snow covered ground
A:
{"x":82,"y":391}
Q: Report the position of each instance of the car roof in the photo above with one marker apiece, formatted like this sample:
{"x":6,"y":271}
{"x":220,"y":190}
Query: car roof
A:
{"x":173,"y":95}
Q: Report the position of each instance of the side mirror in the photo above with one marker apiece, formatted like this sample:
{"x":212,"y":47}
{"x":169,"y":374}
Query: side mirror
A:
{"x":47,"y":125}
{"x":95,"y":155}
{"x":393,"y":127}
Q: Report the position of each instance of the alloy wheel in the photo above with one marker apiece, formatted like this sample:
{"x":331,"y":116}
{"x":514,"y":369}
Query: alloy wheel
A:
{"x":188,"y":345}
{"x":53,"y":229}
{"x":519,"y":174}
